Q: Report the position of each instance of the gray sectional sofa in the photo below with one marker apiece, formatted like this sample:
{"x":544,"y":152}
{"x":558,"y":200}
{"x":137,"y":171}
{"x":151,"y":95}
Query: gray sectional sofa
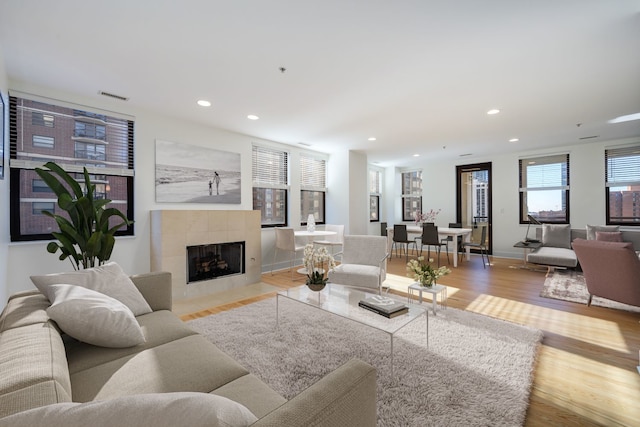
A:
{"x":44,"y":371}
{"x":556,"y":249}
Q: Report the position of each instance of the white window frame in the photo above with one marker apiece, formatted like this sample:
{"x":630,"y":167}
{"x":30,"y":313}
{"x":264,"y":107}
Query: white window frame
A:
{"x":543,"y":172}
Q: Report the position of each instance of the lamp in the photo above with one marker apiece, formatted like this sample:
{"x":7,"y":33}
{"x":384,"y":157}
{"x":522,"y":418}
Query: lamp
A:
{"x":532,"y":220}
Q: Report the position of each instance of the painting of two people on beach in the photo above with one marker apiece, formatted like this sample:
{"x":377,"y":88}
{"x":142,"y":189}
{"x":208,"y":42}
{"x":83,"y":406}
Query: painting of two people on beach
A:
{"x":194,"y":174}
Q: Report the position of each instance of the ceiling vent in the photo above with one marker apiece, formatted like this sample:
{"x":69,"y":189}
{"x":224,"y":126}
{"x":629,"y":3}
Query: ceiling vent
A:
{"x":589,"y":137}
{"x":112,"y":95}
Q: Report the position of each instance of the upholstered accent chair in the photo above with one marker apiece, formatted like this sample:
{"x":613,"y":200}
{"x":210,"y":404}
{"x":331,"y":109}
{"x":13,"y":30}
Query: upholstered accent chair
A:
{"x":611,"y":270}
{"x":364,"y":263}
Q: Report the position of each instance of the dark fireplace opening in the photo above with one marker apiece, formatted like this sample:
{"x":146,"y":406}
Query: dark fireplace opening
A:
{"x":206,"y":262}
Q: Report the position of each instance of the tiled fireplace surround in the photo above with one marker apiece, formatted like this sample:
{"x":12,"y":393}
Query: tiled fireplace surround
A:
{"x":173,"y":230}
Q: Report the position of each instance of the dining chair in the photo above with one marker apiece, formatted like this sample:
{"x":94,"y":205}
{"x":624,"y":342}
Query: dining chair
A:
{"x":286,"y":241}
{"x":334,"y":240}
{"x":448,"y":239}
{"x":430,"y":238}
{"x":401,"y":238}
{"x":481,"y":246}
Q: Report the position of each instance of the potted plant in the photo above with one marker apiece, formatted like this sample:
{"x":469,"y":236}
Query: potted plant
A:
{"x":85,"y":237}
{"x":423,"y":273}
{"x":314,"y":261}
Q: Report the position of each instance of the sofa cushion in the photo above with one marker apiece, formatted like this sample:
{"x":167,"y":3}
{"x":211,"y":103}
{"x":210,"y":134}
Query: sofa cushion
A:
{"x":252,"y":393}
{"x":108,"y":279}
{"x":560,"y":257}
{"x":609,"y":236}
{"x":94,"y":318}
{"x":187,"y":364}
{"x":158,"y":327}
{"x":158,"y":410}
{"x":23,"y":309}
{"x":592,"y":229}
{"x":34,"y":368}
{"x":556,"y":235}
{"x":359,"y":275}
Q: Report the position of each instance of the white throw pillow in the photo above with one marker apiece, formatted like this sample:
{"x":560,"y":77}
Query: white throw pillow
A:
{"x":108,"y":279}
{"x":157,"y":410}
{"x":94,"y":318}
{"x":592,"y":229}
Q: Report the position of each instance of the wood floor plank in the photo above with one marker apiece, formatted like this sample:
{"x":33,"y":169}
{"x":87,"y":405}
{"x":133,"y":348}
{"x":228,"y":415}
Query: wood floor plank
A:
{"x":586,"y":369}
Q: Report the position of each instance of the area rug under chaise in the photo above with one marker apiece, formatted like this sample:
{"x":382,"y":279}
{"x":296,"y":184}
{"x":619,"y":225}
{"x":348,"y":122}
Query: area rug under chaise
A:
{"x":569,"y":285}
{"x":477,"y":371}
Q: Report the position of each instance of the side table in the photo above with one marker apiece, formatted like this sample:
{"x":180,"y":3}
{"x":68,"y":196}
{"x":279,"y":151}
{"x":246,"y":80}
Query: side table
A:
{"x":433,"y":290}
{"x":526,"y":246}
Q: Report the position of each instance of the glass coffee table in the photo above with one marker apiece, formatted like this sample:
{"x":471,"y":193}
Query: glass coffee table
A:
{"x":343,"y":301}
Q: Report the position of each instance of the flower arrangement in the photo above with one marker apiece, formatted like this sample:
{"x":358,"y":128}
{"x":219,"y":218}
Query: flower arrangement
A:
{"x":420,"y":217}
{"x":314,"y":262}
{"x":424,"y":273}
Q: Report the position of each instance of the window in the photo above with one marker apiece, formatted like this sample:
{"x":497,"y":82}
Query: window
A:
{"x":411,"y":194}
{"x":42,"y":141}
{"x":270,"y":170}
{"x":108,"y":156}
{"x":544,"y":189}
{"x":39,"y":186}
{"x":375,"y":190}
{"x":622,"y":181}
{"x":313,"y":176}
{"x":38,"y":207}
{"x":38,"y":118}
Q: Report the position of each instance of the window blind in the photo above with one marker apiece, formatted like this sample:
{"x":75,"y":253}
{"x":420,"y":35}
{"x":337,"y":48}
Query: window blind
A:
{"x":548,"y":173}
{"x":270,"y":168}
{"x":622,"y":166}
{"x":375,"y":184}
{"x":70,"y":136}
{"x":313,"y":173}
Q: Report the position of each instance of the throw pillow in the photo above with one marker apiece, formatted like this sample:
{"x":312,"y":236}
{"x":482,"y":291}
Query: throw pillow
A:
{"x":556,"y":235}
{"x":108,"y":279}
{"x":609,"y":236}
{"x":157,"y":410}
{"x":94,"y":318}
{"x":592,"y":229}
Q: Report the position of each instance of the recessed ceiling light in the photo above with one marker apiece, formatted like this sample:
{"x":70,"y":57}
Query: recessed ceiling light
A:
{"x":627,"y":118}
{"x":373,"y":138}
{"x":252,"y":117}
{"x":493,"y":111}
{"x":514,"y":140}
{"x":204,"y":103}
{"x":416,"y":155}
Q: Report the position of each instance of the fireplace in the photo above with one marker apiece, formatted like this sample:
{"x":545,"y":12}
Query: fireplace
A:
{"x":211,"y":261}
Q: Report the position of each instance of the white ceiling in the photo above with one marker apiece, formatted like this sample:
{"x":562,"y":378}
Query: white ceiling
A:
{"x":418,"y":75}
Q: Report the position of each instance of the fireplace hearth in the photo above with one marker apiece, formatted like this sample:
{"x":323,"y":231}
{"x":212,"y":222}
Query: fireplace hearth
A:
{"x":211,"y":261}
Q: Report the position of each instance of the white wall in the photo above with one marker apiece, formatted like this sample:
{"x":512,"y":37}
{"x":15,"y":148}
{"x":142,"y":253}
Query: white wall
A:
{"x":4,"y":192}
{"x":358,"y":203}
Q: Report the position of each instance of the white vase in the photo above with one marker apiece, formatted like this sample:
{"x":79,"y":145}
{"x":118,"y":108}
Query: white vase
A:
{"x":311,"y":223}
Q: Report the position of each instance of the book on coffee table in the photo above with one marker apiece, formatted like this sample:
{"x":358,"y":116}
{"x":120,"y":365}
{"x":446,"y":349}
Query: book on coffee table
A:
{"x":384,"y":306}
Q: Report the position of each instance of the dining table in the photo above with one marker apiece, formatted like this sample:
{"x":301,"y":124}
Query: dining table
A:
{"x":442,"y":232}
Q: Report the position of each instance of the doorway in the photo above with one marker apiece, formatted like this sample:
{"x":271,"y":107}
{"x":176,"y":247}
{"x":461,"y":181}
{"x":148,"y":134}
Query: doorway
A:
{"x":473,"y":205}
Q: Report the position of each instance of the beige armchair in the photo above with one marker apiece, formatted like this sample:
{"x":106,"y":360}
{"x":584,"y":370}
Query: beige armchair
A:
{"x":364,"y":263}
{"x":611,"y":270}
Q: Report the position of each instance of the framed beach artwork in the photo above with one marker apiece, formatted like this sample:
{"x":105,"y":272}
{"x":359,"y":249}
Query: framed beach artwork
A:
{"x":195,"y":174}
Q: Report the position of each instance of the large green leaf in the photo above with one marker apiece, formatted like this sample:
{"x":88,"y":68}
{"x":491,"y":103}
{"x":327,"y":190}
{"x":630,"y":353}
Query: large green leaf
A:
{"x":85,"y":237}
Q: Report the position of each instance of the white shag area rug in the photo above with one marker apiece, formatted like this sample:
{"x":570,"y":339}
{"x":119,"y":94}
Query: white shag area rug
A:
{"x":476,"y":371}
{"x":569,"y":285}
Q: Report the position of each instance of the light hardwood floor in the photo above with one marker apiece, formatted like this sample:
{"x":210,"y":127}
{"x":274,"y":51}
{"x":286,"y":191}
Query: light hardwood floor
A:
{"x":586,"y":370}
